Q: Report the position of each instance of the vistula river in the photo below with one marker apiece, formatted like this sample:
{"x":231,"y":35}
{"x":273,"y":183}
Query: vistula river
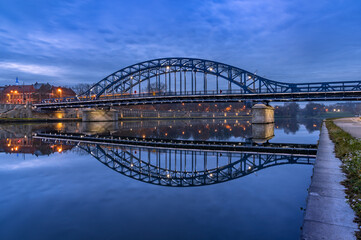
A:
{"x":181,"y":179}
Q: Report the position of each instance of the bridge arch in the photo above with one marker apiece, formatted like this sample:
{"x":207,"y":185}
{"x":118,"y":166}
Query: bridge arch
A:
{"x":182,"y":76}
{"x":179,"y":168}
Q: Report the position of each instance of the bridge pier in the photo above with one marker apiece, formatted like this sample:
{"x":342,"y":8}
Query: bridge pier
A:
{"x":261,"y":133}
{"x":99,"y":115}
{"x":109,"y":127}
{"x":262,"y":113}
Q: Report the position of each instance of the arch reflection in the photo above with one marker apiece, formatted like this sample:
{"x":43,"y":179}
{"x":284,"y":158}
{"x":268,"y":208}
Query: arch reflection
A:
{"x":186,"y":166}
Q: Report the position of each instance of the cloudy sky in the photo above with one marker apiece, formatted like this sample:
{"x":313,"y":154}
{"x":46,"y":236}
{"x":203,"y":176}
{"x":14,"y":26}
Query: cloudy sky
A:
{"x":68,"y":42}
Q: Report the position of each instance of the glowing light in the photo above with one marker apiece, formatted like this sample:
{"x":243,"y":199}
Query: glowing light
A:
{"x":183,"y":132}
{"x":143,"y":136}
{"x":59,"y":115}
{"x":168,"y":176}
{"x":60,"y":150}
{"x":166,"y":134}
{"x":16,"y":91}
{"x":59,"y":90}
{"x":167,"y":67}
{"x":199,"y":131}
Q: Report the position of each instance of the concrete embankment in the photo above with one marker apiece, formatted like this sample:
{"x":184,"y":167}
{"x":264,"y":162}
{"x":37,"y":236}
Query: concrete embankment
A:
{"x":350,"y":125}
{"x":328,"y":215}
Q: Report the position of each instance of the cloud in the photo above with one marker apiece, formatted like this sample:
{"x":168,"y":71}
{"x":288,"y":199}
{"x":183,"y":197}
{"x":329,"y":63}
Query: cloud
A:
{"x":32,"y":68}
{"x":84,"y":41}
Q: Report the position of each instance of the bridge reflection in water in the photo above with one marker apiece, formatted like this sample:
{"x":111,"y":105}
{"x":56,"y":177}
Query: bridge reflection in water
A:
{"x":184,"y":163}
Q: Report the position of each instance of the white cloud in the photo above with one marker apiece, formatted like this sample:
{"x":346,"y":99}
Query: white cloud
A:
{"x":63,"y":41}
{"x":32,"y":68}
{"x":248,"y":15}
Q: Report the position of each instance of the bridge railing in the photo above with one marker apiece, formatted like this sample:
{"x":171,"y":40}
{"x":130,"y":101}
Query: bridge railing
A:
{"x":319,"y":87}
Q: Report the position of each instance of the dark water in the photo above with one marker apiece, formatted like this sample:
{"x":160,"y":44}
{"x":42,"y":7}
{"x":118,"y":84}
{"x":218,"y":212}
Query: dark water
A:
{"x":58,"y":190}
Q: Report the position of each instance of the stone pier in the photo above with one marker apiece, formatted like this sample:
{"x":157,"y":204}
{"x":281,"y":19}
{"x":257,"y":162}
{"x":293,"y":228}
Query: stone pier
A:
{"x":108,"y":127}
{"x":262,"y":113}
{"x":99,"y":115}
{"x":262,"y":132}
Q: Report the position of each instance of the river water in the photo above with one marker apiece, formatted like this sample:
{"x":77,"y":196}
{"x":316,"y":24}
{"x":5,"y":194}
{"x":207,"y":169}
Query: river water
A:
{"x":56,"y":189}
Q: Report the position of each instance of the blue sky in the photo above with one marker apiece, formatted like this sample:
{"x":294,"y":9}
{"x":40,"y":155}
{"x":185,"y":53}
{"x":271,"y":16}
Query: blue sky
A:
{"x":68,"y":42}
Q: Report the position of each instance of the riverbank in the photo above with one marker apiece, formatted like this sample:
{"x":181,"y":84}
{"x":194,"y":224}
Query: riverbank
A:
{"x":346,"y":133}
{"x":23,"y":120}
{"x":40,"y":120}
{"x":328,"y":215}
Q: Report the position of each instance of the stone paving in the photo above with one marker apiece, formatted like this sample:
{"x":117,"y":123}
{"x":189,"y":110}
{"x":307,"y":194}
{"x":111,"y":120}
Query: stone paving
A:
{"x":350,"y":125}
{"x":328,"y":215}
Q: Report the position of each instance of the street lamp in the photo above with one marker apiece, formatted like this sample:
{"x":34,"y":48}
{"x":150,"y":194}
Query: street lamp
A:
{"x":59,"y":90}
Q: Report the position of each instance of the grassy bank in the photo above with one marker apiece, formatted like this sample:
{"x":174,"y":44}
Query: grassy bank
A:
{"x":348,"y":149}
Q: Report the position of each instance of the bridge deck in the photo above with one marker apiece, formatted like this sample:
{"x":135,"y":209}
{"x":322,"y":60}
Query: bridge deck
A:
{"x":274,"y":148}
{"x":164,"y":99}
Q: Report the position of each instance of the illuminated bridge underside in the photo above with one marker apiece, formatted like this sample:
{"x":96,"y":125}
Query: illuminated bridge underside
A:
{"x":278,"y":148}
{"x":182,"y":167}
{"x":174,"y":80}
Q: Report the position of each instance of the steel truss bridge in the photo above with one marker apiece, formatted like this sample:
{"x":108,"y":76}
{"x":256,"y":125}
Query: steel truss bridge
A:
{"x":191,"y":80}
{"x":185,"y":165}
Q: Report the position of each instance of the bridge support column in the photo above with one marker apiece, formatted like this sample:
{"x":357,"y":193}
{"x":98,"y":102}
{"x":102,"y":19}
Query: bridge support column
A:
{"x":100,"y":127}
{"x":262,"y":132}
{"x":99,"y":115}
{"x":262,"y":113}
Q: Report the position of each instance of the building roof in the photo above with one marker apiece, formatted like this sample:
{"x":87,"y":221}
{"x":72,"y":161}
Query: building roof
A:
{"x":19,"y":88}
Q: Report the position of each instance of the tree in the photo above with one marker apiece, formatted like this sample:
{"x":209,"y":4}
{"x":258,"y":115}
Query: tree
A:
{"x":288,"y":110}
{"x":154,"y":87}
{"x":81,"y":87}
{"x":313,"y":109}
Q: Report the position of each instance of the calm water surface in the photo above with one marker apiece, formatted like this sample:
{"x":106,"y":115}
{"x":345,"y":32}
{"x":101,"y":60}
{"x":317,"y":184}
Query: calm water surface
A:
{"x":59,"y":191}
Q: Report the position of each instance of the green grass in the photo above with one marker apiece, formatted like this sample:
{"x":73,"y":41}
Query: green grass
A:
{"x":337,"y":114}
{"x":348,"y":149}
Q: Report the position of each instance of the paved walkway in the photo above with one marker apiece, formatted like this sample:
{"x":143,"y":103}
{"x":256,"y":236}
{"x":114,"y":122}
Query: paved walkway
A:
{"x":350,"y":125}
{"x":328,"y":215}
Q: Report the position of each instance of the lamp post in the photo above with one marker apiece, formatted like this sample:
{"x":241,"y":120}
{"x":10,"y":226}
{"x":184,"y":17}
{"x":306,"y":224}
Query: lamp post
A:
{"x":59,"y":91}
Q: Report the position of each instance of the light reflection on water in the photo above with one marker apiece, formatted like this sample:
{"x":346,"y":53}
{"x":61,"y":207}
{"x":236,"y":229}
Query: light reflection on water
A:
{"x":69,"y":194}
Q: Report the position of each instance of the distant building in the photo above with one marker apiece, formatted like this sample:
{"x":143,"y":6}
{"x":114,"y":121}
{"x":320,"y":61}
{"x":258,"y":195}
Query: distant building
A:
{"x":22,"y":94}
{"x":31,"y":146}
